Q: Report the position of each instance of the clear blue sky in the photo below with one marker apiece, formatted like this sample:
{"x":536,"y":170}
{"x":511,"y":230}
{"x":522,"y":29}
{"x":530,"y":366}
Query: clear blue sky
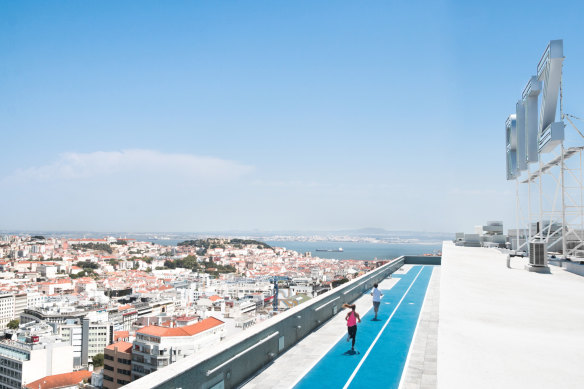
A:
{"x":307,"y":115}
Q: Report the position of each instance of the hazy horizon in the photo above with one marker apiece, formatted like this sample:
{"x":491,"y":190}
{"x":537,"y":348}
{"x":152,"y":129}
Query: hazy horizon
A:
{"x":360,"y":231}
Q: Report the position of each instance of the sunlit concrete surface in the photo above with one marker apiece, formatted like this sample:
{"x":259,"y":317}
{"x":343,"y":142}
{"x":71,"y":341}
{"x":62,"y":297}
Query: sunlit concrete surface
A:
{"x":508,"y":328}
{"x":421,"y":367}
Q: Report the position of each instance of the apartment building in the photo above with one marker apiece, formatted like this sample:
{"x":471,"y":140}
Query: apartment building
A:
{"x":156,"y":347}
{"x":72,"y":333}
{"x":7,"y":302}
{"x":20,"y":304}
{"x":237,"y":290}
{"x":87,"y":338}
{"x":22,"y":363}
{"x":96,"y":337}
{"x":33,"y":299}
{"x":117,"y":365}
{"x":49,"y":316}
{"x":122,"y":319}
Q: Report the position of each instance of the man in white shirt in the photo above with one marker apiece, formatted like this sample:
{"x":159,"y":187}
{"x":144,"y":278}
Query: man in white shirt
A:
{"x":376,"y":293}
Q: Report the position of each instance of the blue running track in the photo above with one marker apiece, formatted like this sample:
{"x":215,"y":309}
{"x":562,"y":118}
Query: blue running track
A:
{"x":381,"y":346}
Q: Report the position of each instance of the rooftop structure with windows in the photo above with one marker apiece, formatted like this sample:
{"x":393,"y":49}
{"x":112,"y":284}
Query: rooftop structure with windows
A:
{"x":156,"y":347}
{"x":24,"y":362}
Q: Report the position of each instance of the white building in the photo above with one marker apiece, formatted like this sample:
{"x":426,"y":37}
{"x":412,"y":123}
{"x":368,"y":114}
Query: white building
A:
{"x":33,"y":299}
{"x":238,"y":290}
{"x":72,"y":334}
{"x":242,"y":308}
{"x":20,"y":304}
{"x":302,"y":289}
{"x":48,"y":271}
{"x":21,"y":363}
{"x":96,"y":337}
{"x":315,"y":273}
{"x":6,"y":309}
{"x":156,"y":347}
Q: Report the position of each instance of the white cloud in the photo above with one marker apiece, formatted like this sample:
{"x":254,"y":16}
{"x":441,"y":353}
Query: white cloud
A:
{"x":76,"y":166}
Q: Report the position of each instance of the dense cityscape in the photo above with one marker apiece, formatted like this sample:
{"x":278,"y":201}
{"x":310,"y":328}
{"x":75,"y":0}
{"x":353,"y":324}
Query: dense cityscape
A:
{"x":110,"y":310}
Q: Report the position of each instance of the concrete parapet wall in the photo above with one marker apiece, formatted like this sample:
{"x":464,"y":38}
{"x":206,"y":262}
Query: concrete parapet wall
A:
{"x":422,"y":260}
{"x":235,"y":360}
{"x":572,"y":267}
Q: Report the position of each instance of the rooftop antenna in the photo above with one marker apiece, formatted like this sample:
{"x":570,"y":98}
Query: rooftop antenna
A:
{"x":275,"y":299}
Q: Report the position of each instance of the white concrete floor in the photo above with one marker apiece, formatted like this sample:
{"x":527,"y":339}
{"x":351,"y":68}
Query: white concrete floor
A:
{"x":508,"y":328}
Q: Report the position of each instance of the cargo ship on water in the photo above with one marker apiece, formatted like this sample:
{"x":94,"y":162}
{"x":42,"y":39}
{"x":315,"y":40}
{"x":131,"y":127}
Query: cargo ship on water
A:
{"x":339,"y":250}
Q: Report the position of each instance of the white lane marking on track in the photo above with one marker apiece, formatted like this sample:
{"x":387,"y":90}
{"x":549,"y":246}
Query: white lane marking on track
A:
{"x":326,"y":351}
{"x":380,"y":332}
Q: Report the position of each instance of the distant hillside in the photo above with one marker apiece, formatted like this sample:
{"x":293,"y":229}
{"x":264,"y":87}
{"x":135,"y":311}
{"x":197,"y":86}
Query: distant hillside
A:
{"x":212,"y":243}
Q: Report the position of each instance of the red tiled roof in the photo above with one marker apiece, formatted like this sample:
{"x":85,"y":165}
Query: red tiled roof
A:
{"x":121,"y":335}
{"x":60,"y":380}
{"x":189,"y":330}
{"x":122,"y":346}
{"x":124,"y":307}
{"x":186,"y":318}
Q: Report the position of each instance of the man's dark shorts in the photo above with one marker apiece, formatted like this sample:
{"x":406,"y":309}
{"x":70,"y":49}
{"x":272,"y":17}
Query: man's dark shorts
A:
{"x":376,"y":304}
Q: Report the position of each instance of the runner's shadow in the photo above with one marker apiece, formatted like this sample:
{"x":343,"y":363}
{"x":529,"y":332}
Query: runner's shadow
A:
{"x":351,"y":352}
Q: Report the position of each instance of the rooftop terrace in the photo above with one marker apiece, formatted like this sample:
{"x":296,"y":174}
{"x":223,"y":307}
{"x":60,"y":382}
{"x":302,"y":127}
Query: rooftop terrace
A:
{"x":476,"y":323}
{"x":508,"y":328}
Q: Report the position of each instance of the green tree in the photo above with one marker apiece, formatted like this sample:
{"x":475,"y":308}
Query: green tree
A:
{"x":87,"y":265}
{"x":13,"y":324}
{"x":339,"y":282}
{"x":78,"y":275}
{"x":93,"y":246}
{"x":244,"y":242}
{"x":98,"y":360}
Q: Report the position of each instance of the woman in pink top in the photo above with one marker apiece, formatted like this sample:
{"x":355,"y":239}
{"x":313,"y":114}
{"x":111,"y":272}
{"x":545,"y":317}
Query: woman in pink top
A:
{"x":351,"y":319}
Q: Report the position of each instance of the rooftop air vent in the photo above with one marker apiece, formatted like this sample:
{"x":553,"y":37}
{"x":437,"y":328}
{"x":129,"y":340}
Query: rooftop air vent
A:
{"x":537,"y":253}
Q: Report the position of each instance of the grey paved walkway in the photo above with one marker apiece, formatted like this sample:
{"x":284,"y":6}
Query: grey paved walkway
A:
{"x":421,"y":371}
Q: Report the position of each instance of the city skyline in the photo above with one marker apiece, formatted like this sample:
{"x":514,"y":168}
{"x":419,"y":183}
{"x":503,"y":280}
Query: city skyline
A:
{"x":263,"y":116}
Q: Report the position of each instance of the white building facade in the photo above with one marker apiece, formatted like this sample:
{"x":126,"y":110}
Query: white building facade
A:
{"x":22,"y":363}
{"x":156,"y":347}
{"x":7,"y":302}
